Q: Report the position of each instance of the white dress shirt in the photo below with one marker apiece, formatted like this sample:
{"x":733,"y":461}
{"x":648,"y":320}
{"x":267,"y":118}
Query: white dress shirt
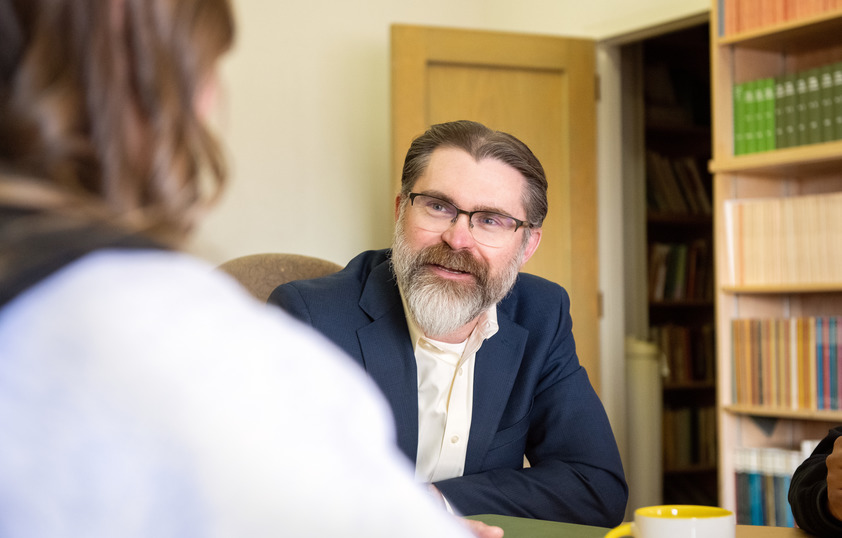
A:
{"x":445,"y":397}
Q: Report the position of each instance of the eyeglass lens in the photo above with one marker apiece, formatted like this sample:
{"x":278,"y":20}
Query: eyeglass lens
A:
{"x":488,"y":228}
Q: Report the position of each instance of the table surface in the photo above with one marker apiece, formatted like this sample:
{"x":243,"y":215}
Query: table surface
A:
{"x":517,"y":527}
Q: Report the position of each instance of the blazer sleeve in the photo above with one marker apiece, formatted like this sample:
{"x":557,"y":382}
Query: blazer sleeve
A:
{"x":808,"y":491}
{"x":575,"y":472}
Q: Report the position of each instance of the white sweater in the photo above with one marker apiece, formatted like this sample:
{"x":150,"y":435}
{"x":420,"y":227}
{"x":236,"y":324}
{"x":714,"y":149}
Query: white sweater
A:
{"x":143,"y":394}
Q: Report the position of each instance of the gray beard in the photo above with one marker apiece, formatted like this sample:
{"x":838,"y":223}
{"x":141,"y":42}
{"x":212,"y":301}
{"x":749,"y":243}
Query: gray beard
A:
{"x":441,"y":307}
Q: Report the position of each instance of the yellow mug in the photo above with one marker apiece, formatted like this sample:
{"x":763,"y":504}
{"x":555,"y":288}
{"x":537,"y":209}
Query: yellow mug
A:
{"x":678,"y":521}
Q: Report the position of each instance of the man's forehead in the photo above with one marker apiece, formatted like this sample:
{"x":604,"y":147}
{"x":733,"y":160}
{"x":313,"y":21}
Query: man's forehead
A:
{"x":454,"y":175}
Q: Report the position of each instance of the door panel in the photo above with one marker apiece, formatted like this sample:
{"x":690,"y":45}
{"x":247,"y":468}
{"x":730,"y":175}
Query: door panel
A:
{"x":540,"y":89}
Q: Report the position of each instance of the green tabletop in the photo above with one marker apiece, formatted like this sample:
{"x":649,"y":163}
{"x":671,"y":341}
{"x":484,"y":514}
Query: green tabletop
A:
{"x":519,"y":527}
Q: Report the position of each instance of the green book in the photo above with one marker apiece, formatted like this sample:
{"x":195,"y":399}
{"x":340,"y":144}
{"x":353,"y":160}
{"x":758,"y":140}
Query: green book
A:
{"x":814,"y":106}
{"x":801,"y":108}
{"x":826,"y":109}
{"x":837,"y":100}
{"x":780,"y":131}
{"x":750,"y":116}
{"x":739,"y":119}
{"x":790,"y":113}
{"x":766,"y":115}
{"x":759,"y":116}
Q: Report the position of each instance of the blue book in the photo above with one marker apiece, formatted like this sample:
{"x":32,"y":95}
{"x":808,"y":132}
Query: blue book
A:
{"x":756,"y":495}
{"x":820,"y":373}
{"x":781,"y":473}
{"x":788,"y":519}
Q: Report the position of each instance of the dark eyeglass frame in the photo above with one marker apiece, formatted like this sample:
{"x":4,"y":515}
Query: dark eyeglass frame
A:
{"x":518,"y":223}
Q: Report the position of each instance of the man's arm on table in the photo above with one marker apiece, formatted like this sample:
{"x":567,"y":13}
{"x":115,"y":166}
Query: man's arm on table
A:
{"x":576,"y":475}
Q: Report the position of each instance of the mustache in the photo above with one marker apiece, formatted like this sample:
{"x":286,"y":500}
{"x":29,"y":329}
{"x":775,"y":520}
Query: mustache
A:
{"x":457,"y":260}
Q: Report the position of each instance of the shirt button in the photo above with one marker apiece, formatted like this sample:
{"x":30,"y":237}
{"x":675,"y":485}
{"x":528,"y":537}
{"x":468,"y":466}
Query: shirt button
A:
{"x":454,"y":439}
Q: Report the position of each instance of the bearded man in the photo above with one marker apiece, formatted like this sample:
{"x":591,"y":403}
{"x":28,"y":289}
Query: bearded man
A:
{"x":476,"y":360}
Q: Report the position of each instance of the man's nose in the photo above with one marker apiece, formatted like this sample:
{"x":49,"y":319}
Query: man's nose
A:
{"x":459,"y":235}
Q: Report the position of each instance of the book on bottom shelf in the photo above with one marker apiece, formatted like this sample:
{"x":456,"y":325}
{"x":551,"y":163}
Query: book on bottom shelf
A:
{"x":762,"y":477}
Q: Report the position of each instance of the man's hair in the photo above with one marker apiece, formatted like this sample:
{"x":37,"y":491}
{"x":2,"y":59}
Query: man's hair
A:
{"x":480,"y":142}
{"x":98,"y":103}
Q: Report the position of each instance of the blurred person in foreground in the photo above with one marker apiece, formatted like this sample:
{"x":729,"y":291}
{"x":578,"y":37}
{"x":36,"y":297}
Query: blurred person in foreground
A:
{"x":477,"y":359}
{"x":142,"y":393}
{"x":815,"y":492}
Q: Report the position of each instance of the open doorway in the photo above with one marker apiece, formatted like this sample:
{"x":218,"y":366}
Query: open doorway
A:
{"x":679,"y":255}
{"x":661,"y":77}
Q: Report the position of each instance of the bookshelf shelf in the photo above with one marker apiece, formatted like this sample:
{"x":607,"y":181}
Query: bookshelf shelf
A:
{"x":804,"y":160}
{"x":789,"y":289}
{"x":794,"y":36}
{"x":770,"y":316}
{"x":778,"y":412}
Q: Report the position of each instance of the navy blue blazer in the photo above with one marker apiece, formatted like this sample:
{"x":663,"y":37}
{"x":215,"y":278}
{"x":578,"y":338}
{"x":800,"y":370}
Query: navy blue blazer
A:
{"x":531,"y":395}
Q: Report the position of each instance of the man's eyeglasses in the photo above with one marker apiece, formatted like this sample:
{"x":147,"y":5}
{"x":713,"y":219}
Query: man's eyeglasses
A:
{"x":488,"y":228}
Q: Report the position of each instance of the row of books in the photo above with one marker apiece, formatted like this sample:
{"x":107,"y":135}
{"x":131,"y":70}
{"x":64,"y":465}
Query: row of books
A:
{"x":680,"y":271}
{"x":796,"y":109}
{"x":689,"y":352}
{"x":745,"y":15}
{"x":788,"y":362}
{"x":689,"y":437}
{"x":762,"y":478}
{"x":784,"y":240}
{"x":677,"y":185}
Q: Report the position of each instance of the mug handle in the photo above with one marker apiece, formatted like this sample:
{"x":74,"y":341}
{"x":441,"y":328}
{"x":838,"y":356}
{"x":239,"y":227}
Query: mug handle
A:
{"x":622,"y":530}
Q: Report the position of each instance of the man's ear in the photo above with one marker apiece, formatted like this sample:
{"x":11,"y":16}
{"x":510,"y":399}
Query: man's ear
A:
{"x":531,"y":245}
{"x":397,"y":207}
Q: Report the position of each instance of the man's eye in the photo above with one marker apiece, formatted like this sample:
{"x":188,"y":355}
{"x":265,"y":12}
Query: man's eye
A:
{"x":491,"y":221}
{"x":438,"y":208}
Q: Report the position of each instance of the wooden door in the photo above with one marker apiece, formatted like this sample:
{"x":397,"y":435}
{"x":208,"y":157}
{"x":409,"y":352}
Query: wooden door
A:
{"x":542,"y":90}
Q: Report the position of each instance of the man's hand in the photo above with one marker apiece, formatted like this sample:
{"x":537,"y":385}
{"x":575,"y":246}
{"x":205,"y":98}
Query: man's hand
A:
{"x":481,"y":530}
{"x":834,"y":479}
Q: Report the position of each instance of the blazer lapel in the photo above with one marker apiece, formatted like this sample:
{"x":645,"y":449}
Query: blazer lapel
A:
{"x":497,"y":364}
{"x":387,"y":354}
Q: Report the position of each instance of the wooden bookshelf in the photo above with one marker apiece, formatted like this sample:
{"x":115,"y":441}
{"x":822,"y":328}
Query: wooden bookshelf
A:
{"x":773,"y":50}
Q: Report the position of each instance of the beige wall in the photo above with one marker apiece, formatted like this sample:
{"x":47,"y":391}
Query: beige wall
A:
{"x":304,"y":111}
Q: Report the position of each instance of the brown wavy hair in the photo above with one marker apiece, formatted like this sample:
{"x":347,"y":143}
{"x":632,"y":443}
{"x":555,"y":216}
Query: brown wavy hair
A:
{"x":98,"y":108}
